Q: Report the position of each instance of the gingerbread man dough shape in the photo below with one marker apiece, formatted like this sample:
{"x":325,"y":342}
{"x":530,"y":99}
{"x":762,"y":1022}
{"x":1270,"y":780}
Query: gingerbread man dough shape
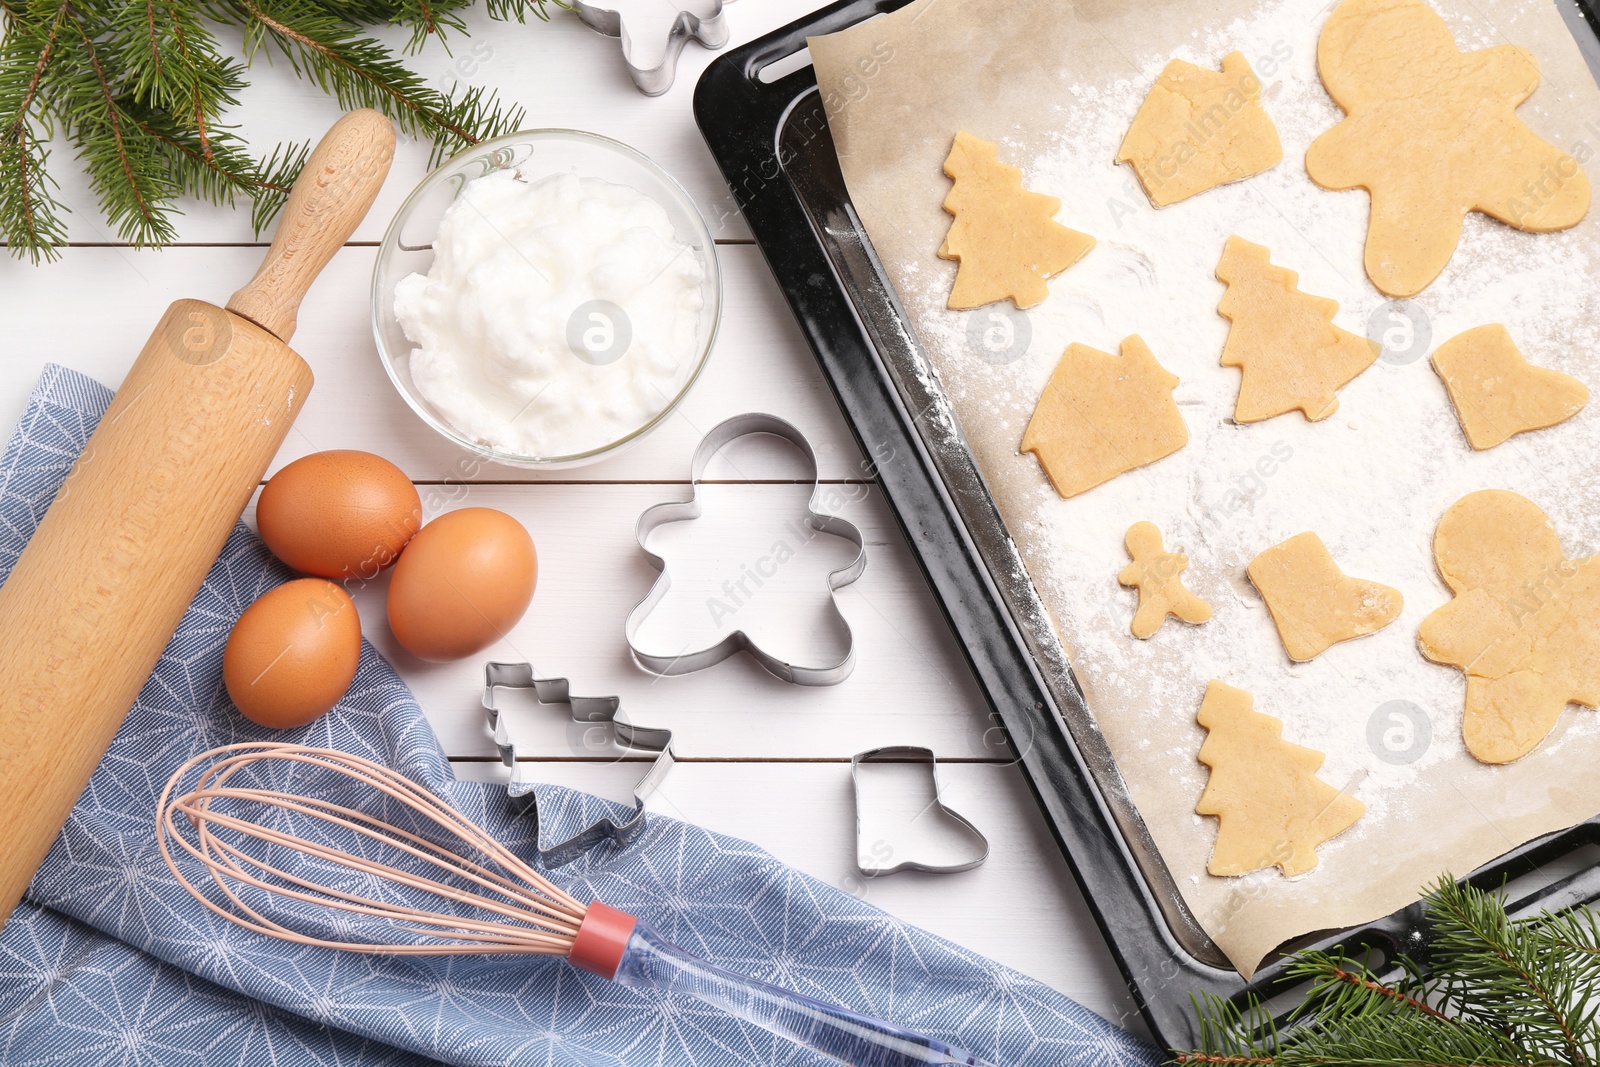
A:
{"x":1272,"y":810}
{"x":1004,"y":237}
{"x":1156,"y":573}
{"x":1432,"y":133}
{"x":1524,"y":625}
{"x":1314,"y":604}
{"x":1498,"y":394}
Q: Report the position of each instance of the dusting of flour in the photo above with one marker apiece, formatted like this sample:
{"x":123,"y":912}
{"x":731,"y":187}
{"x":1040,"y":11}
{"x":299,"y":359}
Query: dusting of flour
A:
{"x":1372,"y":480}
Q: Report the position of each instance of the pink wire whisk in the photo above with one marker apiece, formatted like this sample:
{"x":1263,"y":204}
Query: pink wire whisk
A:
{"x":315,"y":872}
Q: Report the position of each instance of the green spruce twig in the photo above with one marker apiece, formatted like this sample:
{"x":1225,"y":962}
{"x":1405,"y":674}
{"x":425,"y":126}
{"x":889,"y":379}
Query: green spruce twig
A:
{"x":141,"y":89}
{"x":1497,"y":992}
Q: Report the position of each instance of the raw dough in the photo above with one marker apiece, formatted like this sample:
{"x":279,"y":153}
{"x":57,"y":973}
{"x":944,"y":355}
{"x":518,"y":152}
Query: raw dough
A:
{"x":1272,"y":810}
{"x":1284,"y":341}
{"x":1003,"y":236}
{"x":1199,"y":129}
{"x":1313,"y":603}
{"x":1101,"y":415}
{"x":1432,"y":133}
{"x":1155,"y":572}
{"x":1497,"y":393}
{"x":1524,"y":625}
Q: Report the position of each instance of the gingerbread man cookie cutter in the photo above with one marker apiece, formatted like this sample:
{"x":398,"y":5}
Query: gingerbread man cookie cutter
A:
{"x":586,"y":712}
{"x":720,"y":437}
{"x":708,"y":28}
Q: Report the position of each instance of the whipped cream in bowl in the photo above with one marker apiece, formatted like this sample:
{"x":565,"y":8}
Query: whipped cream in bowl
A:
{"x":546,"y":298}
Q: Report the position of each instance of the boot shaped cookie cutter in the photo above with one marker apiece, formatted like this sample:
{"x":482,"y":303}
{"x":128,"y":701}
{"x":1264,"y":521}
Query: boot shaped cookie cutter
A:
{"x":738,"y":641}
{"x":586,"y":712}
{"x":709,"y":29}
{"x":910,"y":754}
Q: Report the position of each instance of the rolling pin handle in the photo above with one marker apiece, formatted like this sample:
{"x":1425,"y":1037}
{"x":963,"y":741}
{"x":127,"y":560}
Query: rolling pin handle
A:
{"x":335,"y":188}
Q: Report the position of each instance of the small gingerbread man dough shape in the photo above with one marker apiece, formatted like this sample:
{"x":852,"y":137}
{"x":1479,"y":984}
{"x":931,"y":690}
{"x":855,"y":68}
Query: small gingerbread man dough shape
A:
{"x":1290,"y":354}
{"x":1004,"y":237}
{"x":1313,"y":603}
{"x":1272,"y":810}
{"x":1156,"y":573}
{"x":1524,"y":625}
{"x":1432,"y":133}
{"x":1101,"y":415}
{"x":1199,"y":129}
{"x":1498,"y":394}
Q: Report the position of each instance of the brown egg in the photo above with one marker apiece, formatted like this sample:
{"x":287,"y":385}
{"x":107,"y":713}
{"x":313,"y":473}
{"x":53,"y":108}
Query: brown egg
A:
{"x":293,"y":653}
{"x":461,"y":584}
{"x":343,"y":514}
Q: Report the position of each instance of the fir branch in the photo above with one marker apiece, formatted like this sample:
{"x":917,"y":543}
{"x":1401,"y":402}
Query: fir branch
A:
{"x":133,"y":187}
{"x":426,"y":19}
{"x":274,"y":178}
{"x":1575,"y":931}
{"x":1499,"y":992}
{"x":360,"y":72}
{"x":474,"y":110}
{"x":1366,"y":984}
{"x":505,"y":10}
{"x":29,"y":214}
{"x":222,"y":167}
{"x":141,"y":89}
{"x":167,"y":58}
{"x":1506,"y":973}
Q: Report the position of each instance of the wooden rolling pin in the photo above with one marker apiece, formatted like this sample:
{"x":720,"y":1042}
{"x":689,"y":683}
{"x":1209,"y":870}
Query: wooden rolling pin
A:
{"x":99,"y":591}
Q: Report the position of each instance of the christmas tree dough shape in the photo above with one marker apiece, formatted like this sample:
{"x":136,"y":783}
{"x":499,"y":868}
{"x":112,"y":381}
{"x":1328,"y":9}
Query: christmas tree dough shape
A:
{"x":1272,"y":810}
{"x":1432,"y":133}
{"x":1313,"y":603}
{"x":1156,"y":573}
{"x":1284,"y":342}
{"x":1199,"y":129}
{"x":1101,"y":415}
{"x":1004,"y":237}
{"x":1524,"y":625}
{"x":1497,"y":394}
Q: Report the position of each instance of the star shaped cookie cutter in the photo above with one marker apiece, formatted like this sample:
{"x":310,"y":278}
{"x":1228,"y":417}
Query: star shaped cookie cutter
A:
{"x":720,"y":437}
{"x":708,"y":28}
{"x":589,"y":713}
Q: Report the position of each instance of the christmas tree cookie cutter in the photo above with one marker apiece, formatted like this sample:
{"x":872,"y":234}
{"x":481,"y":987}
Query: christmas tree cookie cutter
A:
{"x":705,"y":25}
{"x":587,"y":713}
{"x":746,"y":425}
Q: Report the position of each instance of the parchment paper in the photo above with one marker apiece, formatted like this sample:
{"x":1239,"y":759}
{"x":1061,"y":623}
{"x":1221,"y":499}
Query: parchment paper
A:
{"x":1040,"y":76}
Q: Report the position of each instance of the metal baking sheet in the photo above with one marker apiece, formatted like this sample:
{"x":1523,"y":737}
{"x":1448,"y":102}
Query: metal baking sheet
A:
{"x":771,"y":140}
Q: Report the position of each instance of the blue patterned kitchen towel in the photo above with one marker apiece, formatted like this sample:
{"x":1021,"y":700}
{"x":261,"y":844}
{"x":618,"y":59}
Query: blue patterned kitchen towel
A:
{"x":109,"y":960}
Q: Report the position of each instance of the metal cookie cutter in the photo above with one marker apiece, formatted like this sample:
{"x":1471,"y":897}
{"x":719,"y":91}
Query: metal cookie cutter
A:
{"x":677,"y":511}
{"x":598,"y":711}
{"x":709,"y":29}
{"x":917,"y":754}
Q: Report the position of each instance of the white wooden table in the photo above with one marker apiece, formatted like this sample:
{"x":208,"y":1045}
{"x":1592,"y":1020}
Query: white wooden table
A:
{"x":756,"y":758}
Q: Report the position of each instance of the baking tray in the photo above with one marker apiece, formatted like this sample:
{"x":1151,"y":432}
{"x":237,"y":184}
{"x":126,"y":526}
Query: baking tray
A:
{"x":770,"y":137}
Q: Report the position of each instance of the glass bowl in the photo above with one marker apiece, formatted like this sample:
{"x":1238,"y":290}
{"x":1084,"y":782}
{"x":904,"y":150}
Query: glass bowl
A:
{"x":534,"y":154}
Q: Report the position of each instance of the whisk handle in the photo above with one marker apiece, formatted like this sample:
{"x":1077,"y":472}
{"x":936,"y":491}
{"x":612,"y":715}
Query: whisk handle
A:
{"x":649,"y":961}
